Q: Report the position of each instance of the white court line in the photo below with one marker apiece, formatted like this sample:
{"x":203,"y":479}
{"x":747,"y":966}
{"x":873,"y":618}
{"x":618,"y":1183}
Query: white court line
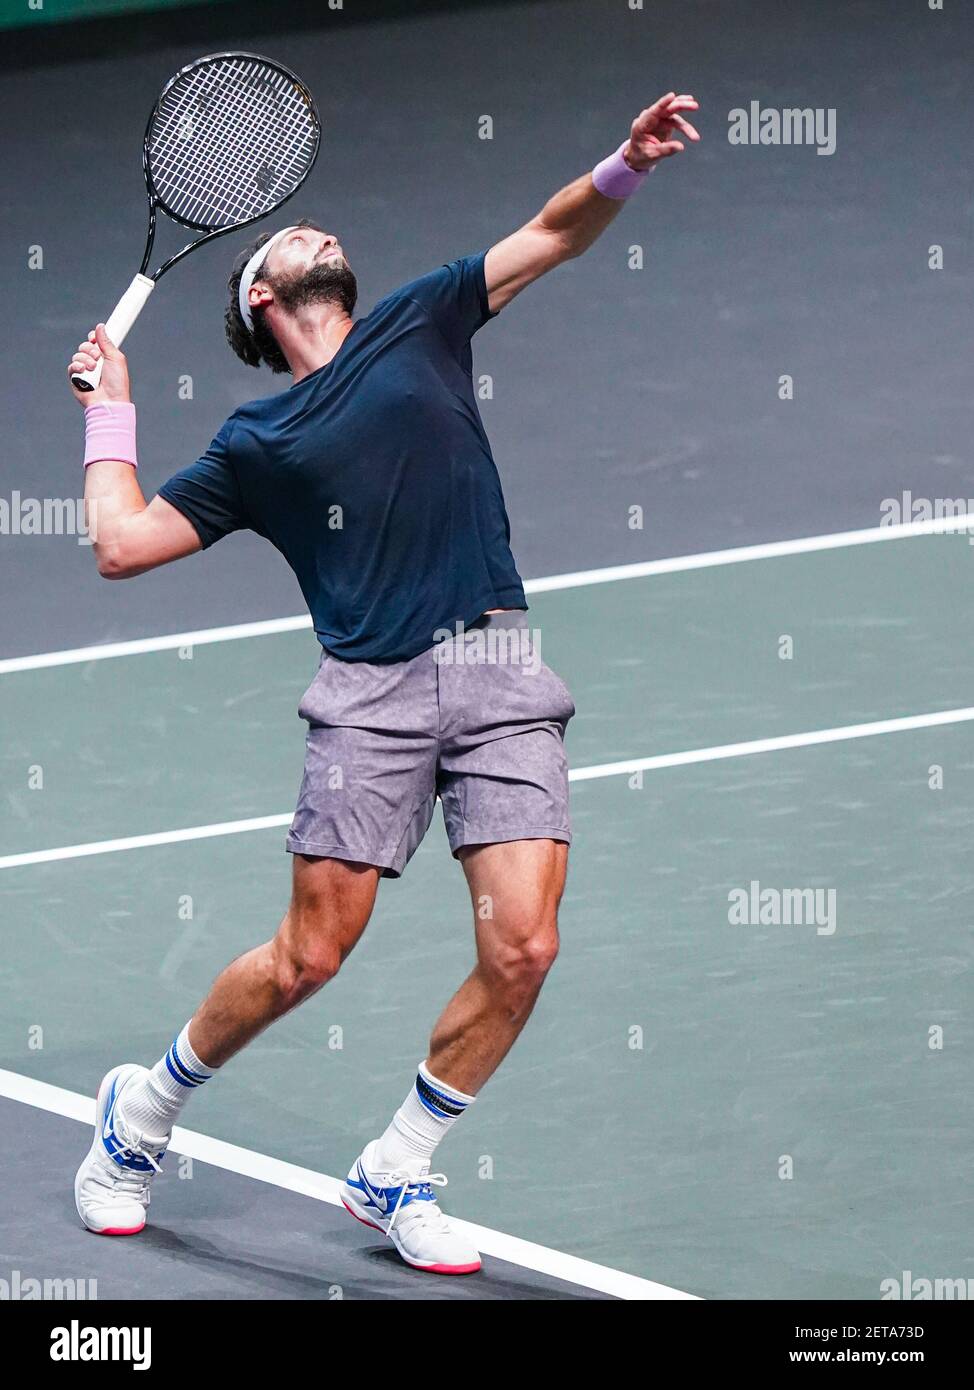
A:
{"x":308,"y":1183}
{"x":581,"y":579}
{"x":141,"y":645}
{"x":163,"y":837}
{"x":771,"y":550}
{"x":577,"y":774}
{"x":772,"y":745}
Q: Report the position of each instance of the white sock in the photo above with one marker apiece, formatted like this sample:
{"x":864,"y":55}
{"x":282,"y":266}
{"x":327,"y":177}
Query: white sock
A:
{"x":152,"y":1104}
{"x":419,"y":1124}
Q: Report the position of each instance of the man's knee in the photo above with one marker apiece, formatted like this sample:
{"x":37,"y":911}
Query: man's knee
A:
{"x":520,"y":956}
{"x":330,"y":905}
{"x":303,"y":961}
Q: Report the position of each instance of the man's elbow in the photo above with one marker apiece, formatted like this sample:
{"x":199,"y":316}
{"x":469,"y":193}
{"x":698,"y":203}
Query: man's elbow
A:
{"x":112,"y":564}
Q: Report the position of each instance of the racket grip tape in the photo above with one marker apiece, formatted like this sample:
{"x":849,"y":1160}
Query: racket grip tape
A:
{"x":119,"y":322}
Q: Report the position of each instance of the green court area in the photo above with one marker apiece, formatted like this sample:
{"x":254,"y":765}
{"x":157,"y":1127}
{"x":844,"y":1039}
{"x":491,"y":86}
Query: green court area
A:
{"x":21,"y":13}
{"x":750,"y":1110}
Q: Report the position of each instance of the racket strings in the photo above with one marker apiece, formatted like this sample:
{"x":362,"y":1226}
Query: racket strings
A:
{"x":224,"y":185}
{"x":231,"y":143}
{"x":241,"y":136}
{"x":232,"y":135}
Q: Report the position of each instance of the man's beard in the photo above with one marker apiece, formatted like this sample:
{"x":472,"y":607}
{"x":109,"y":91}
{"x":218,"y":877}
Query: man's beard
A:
{"x":322,"y":284}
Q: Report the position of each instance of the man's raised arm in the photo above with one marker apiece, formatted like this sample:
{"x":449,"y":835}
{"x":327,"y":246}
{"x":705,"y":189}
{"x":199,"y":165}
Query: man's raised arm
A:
{"x":128,"y":537}
{"x":571,"y":221}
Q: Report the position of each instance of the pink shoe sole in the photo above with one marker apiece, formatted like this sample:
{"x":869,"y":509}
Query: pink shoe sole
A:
{"x":371,"y":1224}
{"x":427,"y":1269}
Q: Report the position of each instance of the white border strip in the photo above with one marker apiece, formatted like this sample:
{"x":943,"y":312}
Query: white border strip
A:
{"x":162,"y":837}
{"x":773,"y":745}
{"x":305,"y":1181}
{"x":577,"y":774}
{"x":580,"y":579}
{"x":771,"y":550}
{"x":141,"y":645}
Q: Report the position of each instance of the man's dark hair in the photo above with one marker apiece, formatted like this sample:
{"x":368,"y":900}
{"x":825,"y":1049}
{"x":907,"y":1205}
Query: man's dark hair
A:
{"x":261,"y":345}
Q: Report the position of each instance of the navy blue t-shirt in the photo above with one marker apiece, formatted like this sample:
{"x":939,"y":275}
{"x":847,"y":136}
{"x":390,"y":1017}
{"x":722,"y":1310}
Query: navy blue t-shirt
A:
{"x":374,"y":477}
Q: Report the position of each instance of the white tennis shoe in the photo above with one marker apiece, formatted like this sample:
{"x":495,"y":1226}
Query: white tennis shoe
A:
{"x":402,"y":1206}
{"x":111,"y":1189}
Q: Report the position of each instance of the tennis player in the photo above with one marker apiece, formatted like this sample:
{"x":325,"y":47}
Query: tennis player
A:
{"x":372,"y":474}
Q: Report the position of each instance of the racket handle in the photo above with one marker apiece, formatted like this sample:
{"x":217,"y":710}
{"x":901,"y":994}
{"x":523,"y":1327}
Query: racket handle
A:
{"x":119,"y":322}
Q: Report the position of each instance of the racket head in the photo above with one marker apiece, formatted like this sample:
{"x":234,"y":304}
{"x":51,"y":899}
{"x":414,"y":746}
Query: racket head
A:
{"x":231,"y":138}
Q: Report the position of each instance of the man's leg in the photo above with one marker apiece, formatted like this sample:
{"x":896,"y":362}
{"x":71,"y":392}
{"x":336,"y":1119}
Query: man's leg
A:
{"x":137,"y":1106}
{"x":516,"y":889}
{"x":331,"y":903}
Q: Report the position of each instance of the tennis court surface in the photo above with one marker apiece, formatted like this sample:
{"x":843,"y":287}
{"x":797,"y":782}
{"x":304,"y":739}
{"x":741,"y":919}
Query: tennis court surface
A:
{"x":708,"y":1055}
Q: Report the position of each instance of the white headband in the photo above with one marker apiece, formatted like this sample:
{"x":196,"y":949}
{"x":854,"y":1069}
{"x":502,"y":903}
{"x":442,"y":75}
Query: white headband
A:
{"x":249,"y":273}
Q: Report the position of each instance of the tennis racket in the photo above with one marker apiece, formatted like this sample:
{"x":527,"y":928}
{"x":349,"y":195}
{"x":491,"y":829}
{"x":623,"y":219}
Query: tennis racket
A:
{"x":229,"y":141}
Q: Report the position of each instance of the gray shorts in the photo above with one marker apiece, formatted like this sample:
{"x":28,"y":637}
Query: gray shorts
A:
{"x":478,"y":721}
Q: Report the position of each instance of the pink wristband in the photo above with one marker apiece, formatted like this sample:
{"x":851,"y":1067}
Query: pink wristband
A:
{"x":110,"y":432}
{"x":613,"y":177}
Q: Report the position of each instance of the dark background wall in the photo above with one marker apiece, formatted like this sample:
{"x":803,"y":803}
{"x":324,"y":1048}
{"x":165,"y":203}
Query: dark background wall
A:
{"x":612,"y":387}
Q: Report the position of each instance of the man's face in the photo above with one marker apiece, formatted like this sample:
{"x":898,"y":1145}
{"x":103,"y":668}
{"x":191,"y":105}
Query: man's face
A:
{"x":309,"y":267}
{"x":303,"y":248}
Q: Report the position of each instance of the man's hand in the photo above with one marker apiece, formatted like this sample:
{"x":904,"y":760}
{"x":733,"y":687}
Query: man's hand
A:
{"x":571,"y":221}
{"x":114,"y":384}
{"x":653,"y":131}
